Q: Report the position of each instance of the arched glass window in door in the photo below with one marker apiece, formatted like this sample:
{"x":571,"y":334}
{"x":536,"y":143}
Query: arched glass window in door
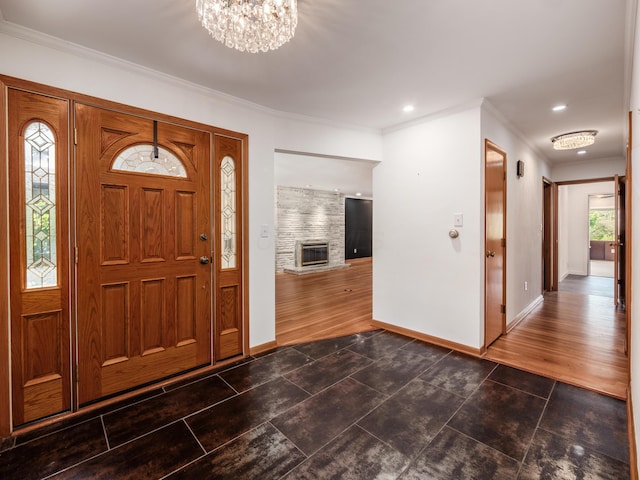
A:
{"x":229,"y":212}
{"x":141,"y":159}
{"x":40,"y":206}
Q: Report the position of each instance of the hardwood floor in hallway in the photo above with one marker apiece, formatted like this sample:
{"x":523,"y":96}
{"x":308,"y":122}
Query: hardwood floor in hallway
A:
{"x":575,"y":335}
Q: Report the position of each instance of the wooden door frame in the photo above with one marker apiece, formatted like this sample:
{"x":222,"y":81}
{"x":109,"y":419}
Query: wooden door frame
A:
{"x":616,"y":240}
{"x":6,"y":426}
{"x":577,"y":182}
{"x":552,"y":211}
{"x":489,"y":144}
{"x":628,"y":239}
{"x":5,"y":349}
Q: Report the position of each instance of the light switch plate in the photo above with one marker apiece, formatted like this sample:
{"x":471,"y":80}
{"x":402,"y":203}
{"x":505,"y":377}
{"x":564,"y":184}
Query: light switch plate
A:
{"x":264,"y":231}
{"x":457,"y":219}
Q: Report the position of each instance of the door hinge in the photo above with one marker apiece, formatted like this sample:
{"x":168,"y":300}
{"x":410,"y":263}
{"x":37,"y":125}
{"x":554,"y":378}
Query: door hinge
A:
{"x":503,"y":242}
{"x":503,"y":309}
{"x":76,"y":254}
{"x":75,"y":136}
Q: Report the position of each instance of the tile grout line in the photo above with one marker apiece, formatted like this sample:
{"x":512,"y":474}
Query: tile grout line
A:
{"x":535,"y":430}
{"x":306,"y":457}
{"x":106,"y":435}
{"x":446,"y":423}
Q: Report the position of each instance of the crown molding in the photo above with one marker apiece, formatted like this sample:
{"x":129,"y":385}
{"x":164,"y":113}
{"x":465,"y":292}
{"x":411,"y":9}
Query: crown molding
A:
{"x":49,"y":41}
{"x":433,"y":116}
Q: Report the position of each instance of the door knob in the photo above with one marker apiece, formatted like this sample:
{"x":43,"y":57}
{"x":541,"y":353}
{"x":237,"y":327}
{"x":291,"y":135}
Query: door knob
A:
{"x":490,"y":254}
{"x":203,"y":237}
{"x":204,"y":259}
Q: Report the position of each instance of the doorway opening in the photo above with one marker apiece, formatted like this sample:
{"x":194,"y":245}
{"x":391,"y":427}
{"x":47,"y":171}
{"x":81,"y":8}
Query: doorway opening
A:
{"x":577,"y":334}
{"x":328,"y":201}
{"x":602,"y":220}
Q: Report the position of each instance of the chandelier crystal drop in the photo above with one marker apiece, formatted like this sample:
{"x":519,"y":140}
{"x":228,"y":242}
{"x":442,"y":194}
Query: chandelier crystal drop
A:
{"x":249,"y":25}
{"x":569,"y":141}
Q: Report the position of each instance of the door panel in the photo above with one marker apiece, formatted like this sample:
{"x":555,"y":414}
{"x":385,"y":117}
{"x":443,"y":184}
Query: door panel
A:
{"x":39,"y":274}
{"x":495,"y":243}
{"x":228,"y":192}
{"x":144,"y":303}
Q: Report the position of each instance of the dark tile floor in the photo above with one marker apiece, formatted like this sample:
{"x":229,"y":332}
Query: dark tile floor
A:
{"x":374,"y":405}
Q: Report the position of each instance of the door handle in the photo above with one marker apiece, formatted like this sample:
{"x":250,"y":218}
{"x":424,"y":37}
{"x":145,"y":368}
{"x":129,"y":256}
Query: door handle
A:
{"x":490,"y":253}
{"x":204,"y":259}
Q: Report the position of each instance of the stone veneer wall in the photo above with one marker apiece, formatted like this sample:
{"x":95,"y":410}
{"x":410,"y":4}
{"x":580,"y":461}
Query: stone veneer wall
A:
{"x":305,"y":214}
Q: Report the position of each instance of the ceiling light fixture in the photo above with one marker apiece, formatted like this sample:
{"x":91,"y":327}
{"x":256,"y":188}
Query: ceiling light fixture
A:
{"x":581,"y":152}
{"x":249,"y":25}
{"x":569,"y":141}
{"x":559,"y":108}
{"x":408,"y":108}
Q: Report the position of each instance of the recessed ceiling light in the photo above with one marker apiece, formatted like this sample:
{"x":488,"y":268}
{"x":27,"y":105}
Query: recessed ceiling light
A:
{"x":581,"y":152}
{"x":358,"y":194}
{"x":559,"y":108}
{"x":408,"y":108}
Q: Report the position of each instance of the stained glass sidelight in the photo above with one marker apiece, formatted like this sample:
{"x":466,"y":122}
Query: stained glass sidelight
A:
{"x":141,"y":159}
{"x":228,"y":216}
{"x":40,"y":206}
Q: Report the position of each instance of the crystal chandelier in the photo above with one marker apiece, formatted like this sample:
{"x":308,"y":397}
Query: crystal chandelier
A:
{"x":569,"y":141}
{"x":249,"y":25}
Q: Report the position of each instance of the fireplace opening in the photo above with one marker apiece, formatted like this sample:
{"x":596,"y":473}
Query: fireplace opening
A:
{"x":313,"y":253}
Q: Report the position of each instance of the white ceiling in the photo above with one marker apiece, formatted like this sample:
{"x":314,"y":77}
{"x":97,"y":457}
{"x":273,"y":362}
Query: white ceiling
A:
{"x":357,"y":62}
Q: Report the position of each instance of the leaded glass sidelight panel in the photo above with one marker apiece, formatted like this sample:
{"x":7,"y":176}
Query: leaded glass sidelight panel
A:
{"x":228,"y":203}
{"x":40,"y":206}
{"x":141,"y":159}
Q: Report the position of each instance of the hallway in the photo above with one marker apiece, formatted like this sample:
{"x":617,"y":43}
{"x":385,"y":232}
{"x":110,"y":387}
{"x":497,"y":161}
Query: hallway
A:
{"x":575,"y":335}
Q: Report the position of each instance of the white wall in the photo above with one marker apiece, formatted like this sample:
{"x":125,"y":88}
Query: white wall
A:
{"x":420,"y":275}
{"x":74,"y":68}
{"x":586,"y":170}
{"x":524,"y":213}
{"x":432,"y":170}
{"x":575,"y":219}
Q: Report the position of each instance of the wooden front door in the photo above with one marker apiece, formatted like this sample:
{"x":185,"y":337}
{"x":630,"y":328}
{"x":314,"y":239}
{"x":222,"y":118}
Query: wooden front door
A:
{"x":143,"y":239}
{"x":495,"y":242}
{"x":38,"y":135}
